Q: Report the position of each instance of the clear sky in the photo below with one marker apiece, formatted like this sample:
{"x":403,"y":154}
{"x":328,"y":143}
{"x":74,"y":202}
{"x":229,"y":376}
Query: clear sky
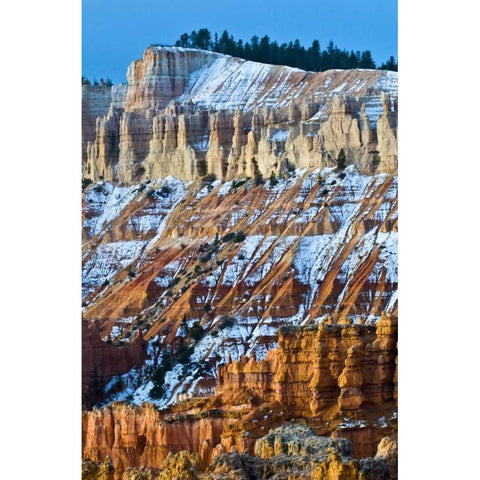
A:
{"x":116,"y":32}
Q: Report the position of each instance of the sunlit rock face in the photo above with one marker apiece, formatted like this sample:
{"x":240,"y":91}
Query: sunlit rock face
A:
{"x":185,"y":112}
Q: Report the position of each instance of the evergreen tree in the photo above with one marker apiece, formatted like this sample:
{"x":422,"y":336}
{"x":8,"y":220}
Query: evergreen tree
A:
{"x":292,"y":54}
{"x":239,"y":50}
{"x":223,"y":43}
{"x":203,"y":39}
{"x":183,"y":42}
{"x":314,"y":56}
{"x":255,"y":48}
{"x":367,"y":60}
{"x":264,"y":50}
{"x":192,"y":40}
{"x":341,"y":159}
{"x":390,"y":65}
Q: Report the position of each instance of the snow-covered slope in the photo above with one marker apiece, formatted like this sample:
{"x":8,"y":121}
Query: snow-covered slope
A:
{"x":219,"y":81}
{"x":238,"y":258}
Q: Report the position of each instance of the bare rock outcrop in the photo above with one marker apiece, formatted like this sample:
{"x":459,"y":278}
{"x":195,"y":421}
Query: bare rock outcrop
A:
{"x":295,"y":452}
{"x":316,"y":368}
{"x":180,"y":115}
{"x":133,"y":436}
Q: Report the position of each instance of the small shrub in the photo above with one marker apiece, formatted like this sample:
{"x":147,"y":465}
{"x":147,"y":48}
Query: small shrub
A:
{"x":165,"y":191}
{"x":341,"y":159}
{"x":228,"y":237}
{"x":273,"y":180}
{"x":239,"y":237}
{"x":207,"y":307}
{"x":131,"y":273}
{"x":183,"y":353}
{"x":196,"y":332}
{"x":205,"y":258}
{"x":259,"y":179}
{"x":202,"y":168}
{"x":208,"y":179}
{"x":85,"y":183}
{"x":227,"y":322}
{"x":238,"y":184}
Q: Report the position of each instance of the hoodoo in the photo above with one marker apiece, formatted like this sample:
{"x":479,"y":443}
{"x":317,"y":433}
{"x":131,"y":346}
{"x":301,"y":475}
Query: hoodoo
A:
{"x":185,"y":112}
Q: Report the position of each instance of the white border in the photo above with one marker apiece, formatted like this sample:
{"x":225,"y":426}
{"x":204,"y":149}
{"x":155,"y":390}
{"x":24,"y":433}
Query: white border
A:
{"x":439,"y":260}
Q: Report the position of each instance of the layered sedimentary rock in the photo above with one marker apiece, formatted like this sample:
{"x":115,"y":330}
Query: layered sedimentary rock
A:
{"x":336,"y":398}
{"x":240,"y":259}
{"x":349,"y":366}
{"x":239,"y":270}
{"x":189,"y":112}
{"x":294,"y":451}
{"x":96,"y":102}
{"x":132,"y":436}
{"x":101,"y":361}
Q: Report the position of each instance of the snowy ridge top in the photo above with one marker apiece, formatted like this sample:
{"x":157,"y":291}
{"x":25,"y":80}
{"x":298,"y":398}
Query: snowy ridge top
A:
{"x":219,"y":81}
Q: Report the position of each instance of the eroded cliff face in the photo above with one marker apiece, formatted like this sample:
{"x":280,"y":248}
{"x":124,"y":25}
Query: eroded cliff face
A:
{"x":236,"y":258}
{"x":96,"y":102}
{"x":295,"y":452}
{"x":188,"y":112}
{"x":320,"y":367}
{"x":237,"y":275}
{"x":337,"y":378}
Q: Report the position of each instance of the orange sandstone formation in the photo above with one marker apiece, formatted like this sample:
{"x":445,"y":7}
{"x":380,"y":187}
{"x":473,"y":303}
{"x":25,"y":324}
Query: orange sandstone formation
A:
{"x":359,"y":380}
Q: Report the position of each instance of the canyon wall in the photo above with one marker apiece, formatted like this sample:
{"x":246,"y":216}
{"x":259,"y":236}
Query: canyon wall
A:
{"x":239,"y":267}
{"x":330,"y":376}
{"x":241,"y":259}
{"x":96,"y":102}
{"x":188,"y":112}
{"x":319,"y":367}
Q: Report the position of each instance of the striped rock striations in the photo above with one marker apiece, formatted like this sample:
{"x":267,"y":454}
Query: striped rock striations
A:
{"x":239,"y":259}
{"x":237,"y":276}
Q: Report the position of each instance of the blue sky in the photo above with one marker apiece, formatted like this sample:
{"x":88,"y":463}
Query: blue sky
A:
{"x":115,"y":32}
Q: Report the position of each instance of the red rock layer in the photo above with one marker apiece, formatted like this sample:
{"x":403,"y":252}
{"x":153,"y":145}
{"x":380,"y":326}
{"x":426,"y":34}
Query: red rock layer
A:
{"x":134,"y":436}
{"x":337,"y":378}
{"x":102,"y":361}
